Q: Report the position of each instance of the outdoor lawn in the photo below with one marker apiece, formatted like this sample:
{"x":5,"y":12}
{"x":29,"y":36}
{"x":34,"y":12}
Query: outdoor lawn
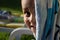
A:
{"x":18,"y":19}
{"x":5,"y":36}
{"x":16,"y":11}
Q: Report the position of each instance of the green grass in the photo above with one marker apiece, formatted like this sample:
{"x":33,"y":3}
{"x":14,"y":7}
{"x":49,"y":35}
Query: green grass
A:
{"x":18,"y":20}
{"x":5,"y":36}
{"x":27,"y":37}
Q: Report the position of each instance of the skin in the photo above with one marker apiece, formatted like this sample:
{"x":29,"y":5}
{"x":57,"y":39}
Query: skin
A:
{"x":29,"y":14}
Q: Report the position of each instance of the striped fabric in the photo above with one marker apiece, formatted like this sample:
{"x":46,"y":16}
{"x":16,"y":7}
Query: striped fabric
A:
{"x":45,"y":14}
{"x":52,"y":8}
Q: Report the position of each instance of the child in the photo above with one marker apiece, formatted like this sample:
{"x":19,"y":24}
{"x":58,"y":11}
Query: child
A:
{"x":29,"y":14}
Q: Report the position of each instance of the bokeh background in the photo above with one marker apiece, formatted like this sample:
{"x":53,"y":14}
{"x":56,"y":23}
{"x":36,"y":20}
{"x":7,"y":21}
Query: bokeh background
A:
{"x":11,"y":17}
{"x":14,"y":7}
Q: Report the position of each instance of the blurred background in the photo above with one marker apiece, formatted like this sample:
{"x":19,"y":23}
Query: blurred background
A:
{"x":10,"y":13}
{"x":11,"y":17}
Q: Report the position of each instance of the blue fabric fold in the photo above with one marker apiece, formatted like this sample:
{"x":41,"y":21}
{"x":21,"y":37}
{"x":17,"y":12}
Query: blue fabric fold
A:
{"x":50,"y":19}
